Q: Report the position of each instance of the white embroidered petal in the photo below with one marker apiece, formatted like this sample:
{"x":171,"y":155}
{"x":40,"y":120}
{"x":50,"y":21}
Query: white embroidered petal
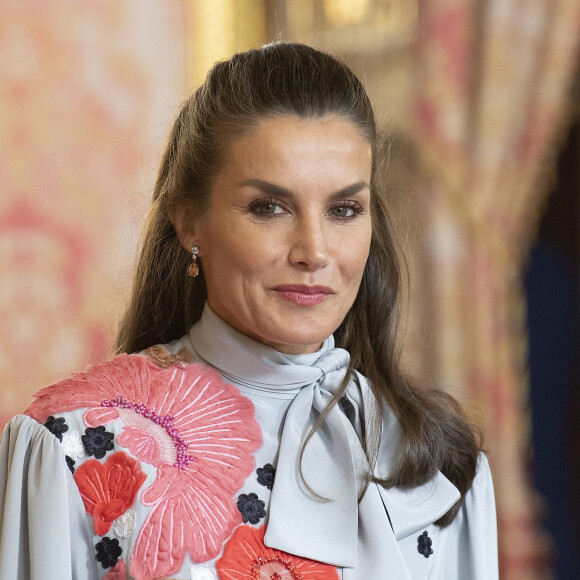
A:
{"x":203,"y":573}
{"x":125,"y":524}
{"x":72,"y":444}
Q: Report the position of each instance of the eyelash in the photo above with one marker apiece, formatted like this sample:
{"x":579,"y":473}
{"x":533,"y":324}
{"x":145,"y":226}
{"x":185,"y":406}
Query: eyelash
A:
{"x":258,"y":205}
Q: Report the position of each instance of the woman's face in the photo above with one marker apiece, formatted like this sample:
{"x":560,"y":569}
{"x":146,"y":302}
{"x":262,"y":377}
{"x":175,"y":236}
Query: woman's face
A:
{"x":287,"y":234}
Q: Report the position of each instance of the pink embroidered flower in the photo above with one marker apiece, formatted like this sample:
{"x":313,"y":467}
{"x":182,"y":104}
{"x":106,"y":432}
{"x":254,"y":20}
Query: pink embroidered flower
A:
{"x":119,"y":572}
{"x":247,"y":558}
{"x":199,"y":432}
{"x":109,"y":489}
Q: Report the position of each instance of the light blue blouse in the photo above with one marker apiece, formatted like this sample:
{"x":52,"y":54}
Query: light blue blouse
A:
{"x":48,"y":528}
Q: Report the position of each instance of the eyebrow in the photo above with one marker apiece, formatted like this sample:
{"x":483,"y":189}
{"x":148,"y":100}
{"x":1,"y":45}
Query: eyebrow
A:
{"x":279,"y":191}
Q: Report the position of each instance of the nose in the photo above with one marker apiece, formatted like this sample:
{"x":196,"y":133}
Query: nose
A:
{"x":309,"y":246}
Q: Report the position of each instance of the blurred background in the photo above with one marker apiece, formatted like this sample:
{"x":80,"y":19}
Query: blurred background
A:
{"x":480,"y":99}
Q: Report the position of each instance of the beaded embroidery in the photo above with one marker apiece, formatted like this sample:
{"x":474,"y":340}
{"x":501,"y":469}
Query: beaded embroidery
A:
{"x":165,"y":421}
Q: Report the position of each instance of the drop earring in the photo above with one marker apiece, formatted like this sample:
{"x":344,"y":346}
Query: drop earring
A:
{"x":193,"y":269}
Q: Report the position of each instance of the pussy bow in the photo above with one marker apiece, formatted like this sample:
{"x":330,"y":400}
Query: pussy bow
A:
{"x":340,"y":530}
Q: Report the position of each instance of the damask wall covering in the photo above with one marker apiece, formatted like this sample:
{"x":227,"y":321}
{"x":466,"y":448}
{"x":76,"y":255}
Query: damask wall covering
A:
{"x":87,"y":91}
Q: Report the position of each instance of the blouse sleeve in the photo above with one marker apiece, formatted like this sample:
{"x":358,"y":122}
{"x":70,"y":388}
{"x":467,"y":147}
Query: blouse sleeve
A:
{"x":472,"y":551}
{"x":44,"y":532}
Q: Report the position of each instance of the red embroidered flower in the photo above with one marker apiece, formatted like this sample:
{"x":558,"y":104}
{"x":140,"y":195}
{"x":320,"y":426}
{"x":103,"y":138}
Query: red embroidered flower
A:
{"x":247,"y":558}
{"x":198,"y":431}
{"x":109,"y":489}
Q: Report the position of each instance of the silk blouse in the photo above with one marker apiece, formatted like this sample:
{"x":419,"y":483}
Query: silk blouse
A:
{"x":184,"y":462}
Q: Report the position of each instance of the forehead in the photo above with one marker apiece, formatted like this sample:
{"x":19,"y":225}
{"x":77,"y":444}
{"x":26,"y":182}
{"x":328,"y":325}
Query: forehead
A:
{"x":299,"y":146}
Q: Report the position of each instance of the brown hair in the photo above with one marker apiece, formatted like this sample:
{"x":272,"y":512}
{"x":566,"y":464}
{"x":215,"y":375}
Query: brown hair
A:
{"x":285,"y":79}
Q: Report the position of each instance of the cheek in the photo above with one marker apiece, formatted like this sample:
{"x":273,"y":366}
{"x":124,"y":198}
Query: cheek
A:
{"x":236,"y":254}
{"x":354,"y":258}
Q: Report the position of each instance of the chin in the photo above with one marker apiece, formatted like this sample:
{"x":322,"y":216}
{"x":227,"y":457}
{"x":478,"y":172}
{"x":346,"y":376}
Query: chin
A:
{"x":305,"y":341}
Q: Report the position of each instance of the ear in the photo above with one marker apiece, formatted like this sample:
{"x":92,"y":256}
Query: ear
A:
{"x":182,"y":219}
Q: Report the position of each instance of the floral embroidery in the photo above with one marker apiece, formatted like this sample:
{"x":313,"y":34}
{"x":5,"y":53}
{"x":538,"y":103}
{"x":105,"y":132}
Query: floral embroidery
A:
{"x":194,"y":503}
{"x":266,"y":475}
{"x":109,"y":488}
{"x":125,"y":524}
{"x":251,"y":508}
{"x":97,"y":441}
{"x":164,"y":359}
{"x":72,"y":444}
{"x":165,"y":421}
{"x":108,"y":552}
{"x":203,"y":573}
{"x":247,"y":558}
{"x":56,"y":426}
{"x":70,"y":462}
{"x":119,"y":572}
{"x":424,"y":544}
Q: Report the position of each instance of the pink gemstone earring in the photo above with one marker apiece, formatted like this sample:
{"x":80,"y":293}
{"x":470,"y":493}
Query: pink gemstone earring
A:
{"x":193,"y":269}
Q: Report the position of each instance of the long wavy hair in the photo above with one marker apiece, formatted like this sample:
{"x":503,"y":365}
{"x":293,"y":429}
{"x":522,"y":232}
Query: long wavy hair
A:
{"x":288,"y":79}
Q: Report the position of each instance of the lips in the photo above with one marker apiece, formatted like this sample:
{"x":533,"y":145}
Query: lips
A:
{"x":304,"y":295}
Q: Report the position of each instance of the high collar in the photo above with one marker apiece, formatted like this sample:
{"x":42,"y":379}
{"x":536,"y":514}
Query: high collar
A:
{"x":255,"y":365}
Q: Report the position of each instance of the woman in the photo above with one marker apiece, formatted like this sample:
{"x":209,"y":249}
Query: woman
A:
{"x":277,"y":438}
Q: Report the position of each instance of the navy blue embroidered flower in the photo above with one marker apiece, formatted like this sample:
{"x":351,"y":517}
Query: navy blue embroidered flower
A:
{"x":424,"y":544}
{"x":251,"y":508}
{"x":266,"y":475}
{"x":108,"y":552}
{"x":70,"y":463}
{"x":97,"y":441}
{"x":56,"y":426}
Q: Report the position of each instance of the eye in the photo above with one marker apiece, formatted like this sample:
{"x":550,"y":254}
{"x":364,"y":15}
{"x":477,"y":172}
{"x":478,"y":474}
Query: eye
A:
{"x":346,"y":209}
{"x":342,"y":211}
{"x":266,"y":207}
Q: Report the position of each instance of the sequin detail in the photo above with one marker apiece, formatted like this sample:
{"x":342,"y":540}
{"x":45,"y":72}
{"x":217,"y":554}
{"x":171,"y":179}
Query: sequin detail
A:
{"x":165,"y":421}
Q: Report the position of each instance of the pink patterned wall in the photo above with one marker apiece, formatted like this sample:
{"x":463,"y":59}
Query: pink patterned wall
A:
{"x":87,"y":92}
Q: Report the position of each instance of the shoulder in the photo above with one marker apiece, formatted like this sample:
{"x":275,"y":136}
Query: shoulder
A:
{"x":135,"y":378}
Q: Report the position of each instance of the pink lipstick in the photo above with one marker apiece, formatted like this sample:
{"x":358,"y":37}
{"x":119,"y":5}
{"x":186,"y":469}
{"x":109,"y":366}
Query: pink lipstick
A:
{"x":304,"y":295}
